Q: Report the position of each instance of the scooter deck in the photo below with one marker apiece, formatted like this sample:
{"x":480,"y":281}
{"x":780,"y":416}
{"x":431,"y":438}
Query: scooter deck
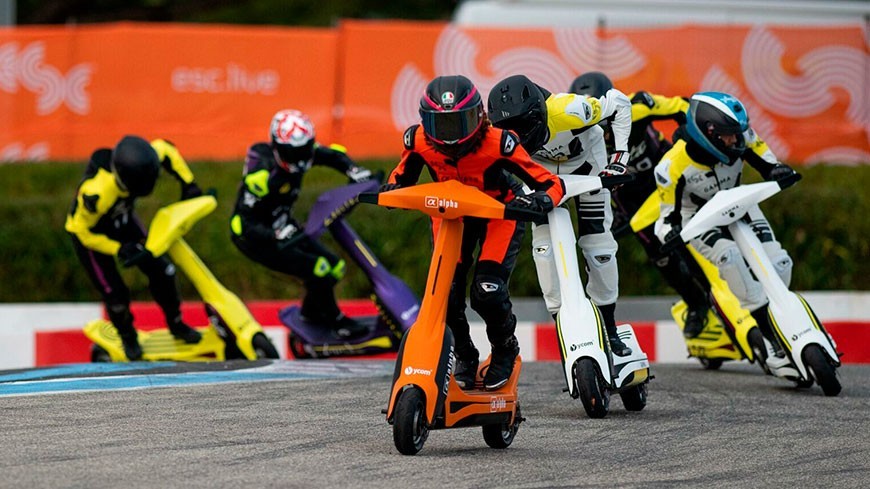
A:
{"x":319,"y":341}
{"x":633,"y":369}
{"x":712,"y":342}
{"x":478,"y":407}
{"x":157,"y":345}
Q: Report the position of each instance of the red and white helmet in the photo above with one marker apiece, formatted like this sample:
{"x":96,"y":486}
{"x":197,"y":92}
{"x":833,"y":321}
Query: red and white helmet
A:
{"x":292,"y":136}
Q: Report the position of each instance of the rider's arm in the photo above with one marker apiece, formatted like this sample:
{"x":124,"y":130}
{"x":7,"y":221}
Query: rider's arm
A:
{"x":407,"y":172}
{"x":568,"y":111}
{"x":515,"y":160}
{"x":645,"y":105}
{"x":93,"y":200}
{"x":254,"y":189}
{"x":670,"y":183}
{"x":758,"y":154}
{"x":172,"y":161}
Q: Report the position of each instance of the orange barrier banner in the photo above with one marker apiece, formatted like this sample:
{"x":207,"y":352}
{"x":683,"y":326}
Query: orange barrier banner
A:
{"x":805,"y":88}
{"x":212,"y":89}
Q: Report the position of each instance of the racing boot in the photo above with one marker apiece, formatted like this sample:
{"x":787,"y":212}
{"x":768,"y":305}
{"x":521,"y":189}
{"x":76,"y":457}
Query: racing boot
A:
{"x":467,"y":362}
{"x":763,"y":320}
{"x":696,"y":320}
{"x":501,"y":363}
{"x":617,"y":346}
{"x":121,"y":318}
{"x":185,"y":333}
{"x":346,"y":328}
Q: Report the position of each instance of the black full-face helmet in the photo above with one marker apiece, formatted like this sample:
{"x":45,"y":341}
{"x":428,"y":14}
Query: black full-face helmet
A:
{"x":712,"y":115}
{"x":135,"y":165}
{"x":292,"y":135}
{"x":592,"y":83}
{"x":452,"y":113}
{"x":518,"y":104}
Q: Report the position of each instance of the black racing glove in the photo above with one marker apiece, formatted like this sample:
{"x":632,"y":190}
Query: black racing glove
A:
{"x":190,"y":190}
{"x":779,"y":172}
{"x":616,"y":165}
{"x":358,"y":174}
{"x":389,"y":186}
{"x":133,"y":253}
{"x":538,"y":201}
{"x":673,"y":240}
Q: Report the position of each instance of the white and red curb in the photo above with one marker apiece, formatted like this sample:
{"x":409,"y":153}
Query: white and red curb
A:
{"x":33,"y":335}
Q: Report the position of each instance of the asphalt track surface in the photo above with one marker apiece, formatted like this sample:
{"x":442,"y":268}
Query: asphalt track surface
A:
{"x":319,"y":424}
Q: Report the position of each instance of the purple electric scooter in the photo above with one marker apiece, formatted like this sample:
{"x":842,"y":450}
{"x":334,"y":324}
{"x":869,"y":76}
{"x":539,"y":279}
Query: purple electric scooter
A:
{"x":397,"y":305}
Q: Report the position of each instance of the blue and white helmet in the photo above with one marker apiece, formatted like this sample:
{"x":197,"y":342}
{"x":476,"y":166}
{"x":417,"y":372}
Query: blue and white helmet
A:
{"x":714,"y":114}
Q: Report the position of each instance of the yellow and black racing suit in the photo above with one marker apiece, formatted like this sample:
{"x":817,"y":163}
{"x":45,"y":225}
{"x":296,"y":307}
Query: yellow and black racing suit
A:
{"x":101,"y":220}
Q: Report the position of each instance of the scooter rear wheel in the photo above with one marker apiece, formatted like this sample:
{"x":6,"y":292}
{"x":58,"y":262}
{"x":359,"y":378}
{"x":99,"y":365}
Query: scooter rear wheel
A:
{"x":634,"y":398}
{"x":263,"y":347}
{"x":502,"y":435}
{"x":711,"y":363}
{"x":409,"y":422}
{"x":592,"y":389}
{"x":822,"y":370}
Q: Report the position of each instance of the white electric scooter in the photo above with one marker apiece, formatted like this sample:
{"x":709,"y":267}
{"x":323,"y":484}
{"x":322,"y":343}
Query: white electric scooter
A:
{"x":810,"y":352}
{"x":591,"y":371}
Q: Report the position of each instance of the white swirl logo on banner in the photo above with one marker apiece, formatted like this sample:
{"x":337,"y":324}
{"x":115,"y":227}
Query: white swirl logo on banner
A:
{"x":19,"y":152}
{"x":821,"y":69}
{"x":456,"y":52}
{"x":52,"y":88}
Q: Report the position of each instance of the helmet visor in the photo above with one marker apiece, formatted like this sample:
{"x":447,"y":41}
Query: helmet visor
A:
{"x":292,"y":158}
{"x":453,"y":126}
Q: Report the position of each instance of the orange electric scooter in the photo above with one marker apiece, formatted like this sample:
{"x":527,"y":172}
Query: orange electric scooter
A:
{"x":424,"y":394}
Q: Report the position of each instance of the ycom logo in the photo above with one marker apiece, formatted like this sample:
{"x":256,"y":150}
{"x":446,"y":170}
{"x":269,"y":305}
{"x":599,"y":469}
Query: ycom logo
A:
{"x":26,"y":68}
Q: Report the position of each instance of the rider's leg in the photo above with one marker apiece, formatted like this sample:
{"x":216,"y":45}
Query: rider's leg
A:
{"x":545,"y":264}
{"x":164,"y":289}
{"x":103,"y":273}
{"x":599,"y":252}
{"x":491,"y":299}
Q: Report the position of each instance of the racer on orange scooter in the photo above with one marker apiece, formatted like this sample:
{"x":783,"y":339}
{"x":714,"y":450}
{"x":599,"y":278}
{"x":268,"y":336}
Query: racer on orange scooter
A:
{"x":457,"y":143}
{"x":102,"y":225}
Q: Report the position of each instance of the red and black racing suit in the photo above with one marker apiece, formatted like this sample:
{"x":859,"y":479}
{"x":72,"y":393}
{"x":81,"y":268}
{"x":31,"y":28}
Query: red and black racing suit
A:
{"x":488,"y":167}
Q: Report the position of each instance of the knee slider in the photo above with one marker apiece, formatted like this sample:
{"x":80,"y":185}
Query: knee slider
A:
{"x":599,"y":252}
{"x":782,"y":262}
{"x":489,"y":292}
{"x":734,"y":271}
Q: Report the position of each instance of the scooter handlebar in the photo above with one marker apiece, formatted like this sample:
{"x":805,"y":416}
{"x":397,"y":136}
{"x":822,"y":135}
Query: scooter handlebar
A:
{"x":790,"y":180}
{"x":616,"y":180}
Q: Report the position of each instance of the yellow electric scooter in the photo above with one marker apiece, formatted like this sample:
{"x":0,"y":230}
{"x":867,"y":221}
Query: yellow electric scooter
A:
{"x":233,"y":332}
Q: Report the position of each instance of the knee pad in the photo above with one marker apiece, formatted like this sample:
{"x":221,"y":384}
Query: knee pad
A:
{"x":599,"y":252}
{"x":548,"y":275}
{"x":734,"y":271}
{"x":782,"y":262}
{"x":490,"y":298}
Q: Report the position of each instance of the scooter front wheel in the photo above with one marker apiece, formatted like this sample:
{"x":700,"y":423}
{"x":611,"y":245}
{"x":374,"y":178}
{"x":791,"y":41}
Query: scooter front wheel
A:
{"x":263,"y":347}
{"x":100,"y":355}
{"x":409,"y":422}
{"x":593,"y":391}
{"x":297,"y":347}
{"x":634,"y":398}
{"x":502,"y":435}
{"x":822,"y":370}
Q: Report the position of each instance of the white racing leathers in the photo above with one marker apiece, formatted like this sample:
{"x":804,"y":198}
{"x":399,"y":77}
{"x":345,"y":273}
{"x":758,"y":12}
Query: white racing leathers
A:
{"x":684,"y":185}
{"x":576,"y":146}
